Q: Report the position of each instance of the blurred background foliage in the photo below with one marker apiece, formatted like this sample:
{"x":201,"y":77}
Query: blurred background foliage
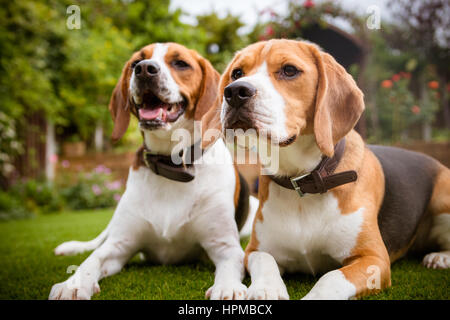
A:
{"x":67,"y":76}
{"x":412,"y":47}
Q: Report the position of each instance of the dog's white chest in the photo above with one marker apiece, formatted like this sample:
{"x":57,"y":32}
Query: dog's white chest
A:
{"x":166,"y":216}
{"x":307,"y":234}
{"x":161,"y":202}
{"x":162,"y":209}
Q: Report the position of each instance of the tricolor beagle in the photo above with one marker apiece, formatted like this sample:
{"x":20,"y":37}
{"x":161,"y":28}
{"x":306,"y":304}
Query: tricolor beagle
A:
{"x":169,"y":211}
{"x":334,"y":205}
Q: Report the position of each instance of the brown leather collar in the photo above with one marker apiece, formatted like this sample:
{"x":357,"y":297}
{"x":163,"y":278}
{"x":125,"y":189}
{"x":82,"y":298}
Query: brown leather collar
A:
{"x":321,"y":179}
{"x":164,"y":166}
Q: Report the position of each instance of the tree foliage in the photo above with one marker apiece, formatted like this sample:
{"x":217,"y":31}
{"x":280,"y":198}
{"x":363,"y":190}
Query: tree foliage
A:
{"x":67,"y":75}
{"x":221,"y":38}
{"x":415,"y":44}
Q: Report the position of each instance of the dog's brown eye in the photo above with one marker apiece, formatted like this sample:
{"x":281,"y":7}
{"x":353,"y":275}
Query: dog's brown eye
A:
{"x":180,"y":64}
{"x":237,"y":73}
{"x":289,"y":71}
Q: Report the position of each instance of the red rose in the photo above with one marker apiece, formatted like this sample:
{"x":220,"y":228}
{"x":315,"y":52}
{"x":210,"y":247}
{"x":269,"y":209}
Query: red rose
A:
{"x":386,"y":84}
{"x":415,"y":109}
{"x":269,"y":31}
{"x":405,"y":75}
{"x":308,"y":4}
{"x":433,"y":85}
{"x":396,"y":77}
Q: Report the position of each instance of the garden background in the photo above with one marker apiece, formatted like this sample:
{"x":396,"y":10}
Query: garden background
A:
{"x":60,"y":176}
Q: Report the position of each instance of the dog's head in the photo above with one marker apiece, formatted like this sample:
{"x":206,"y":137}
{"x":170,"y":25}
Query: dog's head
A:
{"x":163,"y":85}
{"x":289,"y":88}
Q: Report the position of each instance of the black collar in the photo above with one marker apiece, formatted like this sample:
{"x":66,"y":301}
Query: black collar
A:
{"x":321,"y":179}
{"x":164,"y":166}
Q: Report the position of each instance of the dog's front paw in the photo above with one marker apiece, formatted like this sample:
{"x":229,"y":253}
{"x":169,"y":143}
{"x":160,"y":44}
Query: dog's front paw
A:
{"x":274,"y":290}
{"x":332,"y":286}
{"x":318,"y":296}
{"x":227,"y":291}
{"x":68,"y":290}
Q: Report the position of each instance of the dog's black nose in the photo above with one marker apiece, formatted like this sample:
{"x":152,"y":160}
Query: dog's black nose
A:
{"x":238,"y":93}
{"x":146,"y":69}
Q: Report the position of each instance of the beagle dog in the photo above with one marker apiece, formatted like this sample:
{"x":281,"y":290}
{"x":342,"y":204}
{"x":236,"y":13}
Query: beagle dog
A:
{"x":333,"y":206}
{"x":170,"y":212}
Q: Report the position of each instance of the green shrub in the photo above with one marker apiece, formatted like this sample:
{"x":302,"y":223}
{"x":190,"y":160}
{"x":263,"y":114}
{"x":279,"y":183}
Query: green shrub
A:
{"x":39,"y":196}
{"x":31,"y":197}
{"x":93,"y":190}
{"x":12,"y":207}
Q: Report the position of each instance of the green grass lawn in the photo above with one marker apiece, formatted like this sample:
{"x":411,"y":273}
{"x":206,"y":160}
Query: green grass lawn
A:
{"x":29,"y":269}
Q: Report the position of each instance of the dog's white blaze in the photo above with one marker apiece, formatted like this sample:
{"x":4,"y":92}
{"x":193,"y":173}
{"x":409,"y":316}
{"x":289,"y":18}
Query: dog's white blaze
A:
{"x":133,"y":90}
{"x":170,"y":90}
{"x":268,"y":106}
{"x":308,"y":234}
{"x":159,"y":140}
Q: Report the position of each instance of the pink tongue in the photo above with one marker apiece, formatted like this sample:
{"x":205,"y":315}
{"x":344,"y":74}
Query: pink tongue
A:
{"x":151,"y":114}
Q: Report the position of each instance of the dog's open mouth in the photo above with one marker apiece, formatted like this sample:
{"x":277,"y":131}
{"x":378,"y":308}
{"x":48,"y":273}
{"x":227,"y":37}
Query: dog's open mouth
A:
{"x":155,"y":113}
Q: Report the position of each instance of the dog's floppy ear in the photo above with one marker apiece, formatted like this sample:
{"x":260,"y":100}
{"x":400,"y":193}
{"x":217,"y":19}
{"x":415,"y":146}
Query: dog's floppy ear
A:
{"x":211,"y":125}
{"x":119,"y":105}
{"x":339,"y":102}
{"x":207,"y":106}
{"x":208,"y":90}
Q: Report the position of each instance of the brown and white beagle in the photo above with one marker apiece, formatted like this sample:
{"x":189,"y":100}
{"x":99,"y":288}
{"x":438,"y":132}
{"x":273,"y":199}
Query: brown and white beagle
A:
{"x":334,"y":206}
{"x":171,"y":212}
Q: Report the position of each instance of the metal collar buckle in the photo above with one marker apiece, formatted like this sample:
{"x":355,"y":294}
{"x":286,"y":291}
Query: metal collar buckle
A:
{"x":296,"y":186}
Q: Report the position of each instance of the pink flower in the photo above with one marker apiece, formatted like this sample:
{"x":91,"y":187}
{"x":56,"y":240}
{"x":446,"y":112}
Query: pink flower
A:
{"x":65,"y":163}
{"x":96,"y":189}
{"x":99,"y":169}
{"x":102,"y":169}
{"x":115,"y":185}
{"x":269,"y":31}
{"x":117,"y":197}
{"x":53,"y":158}
{"x":308,"y":4}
